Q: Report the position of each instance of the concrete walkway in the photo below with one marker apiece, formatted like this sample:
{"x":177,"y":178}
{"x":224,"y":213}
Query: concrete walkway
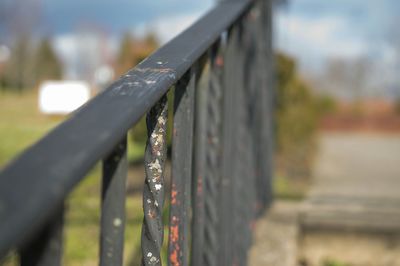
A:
{"x":351,"y":215}
{"x":275,"y":236}
{"x":356,"y":184}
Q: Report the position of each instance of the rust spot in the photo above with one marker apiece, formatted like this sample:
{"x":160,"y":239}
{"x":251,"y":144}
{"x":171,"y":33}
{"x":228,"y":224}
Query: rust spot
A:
{"x":174,"y":258}
{"x":174,"y":240}
{"x":174,"y":233}
{"x":258,"y":206}
{"x":174,"y":193}
{"x":200,"y":185}
{"x":219,"y":61}
{"x":235,"y":261}
{"x":252,"y":225}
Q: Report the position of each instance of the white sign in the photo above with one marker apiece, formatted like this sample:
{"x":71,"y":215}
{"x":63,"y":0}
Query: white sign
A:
{"x":62,"y":97}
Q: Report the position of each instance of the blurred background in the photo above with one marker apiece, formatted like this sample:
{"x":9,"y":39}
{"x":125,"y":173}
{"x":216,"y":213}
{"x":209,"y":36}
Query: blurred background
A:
{"x":337,"y":109}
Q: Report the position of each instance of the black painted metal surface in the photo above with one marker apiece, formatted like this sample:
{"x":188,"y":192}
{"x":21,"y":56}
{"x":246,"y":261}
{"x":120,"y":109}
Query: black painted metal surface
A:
{"x":182,"y":143}
{"x":212,"y":165}
{"x":221,"y":151}
{"x":115,"y":169}
{"x":45,"y":249}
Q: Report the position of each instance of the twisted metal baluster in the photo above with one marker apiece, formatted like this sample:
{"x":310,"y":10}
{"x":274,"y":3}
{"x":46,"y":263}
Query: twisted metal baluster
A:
{"x":211,"y":178}
{"x":153,"y":193}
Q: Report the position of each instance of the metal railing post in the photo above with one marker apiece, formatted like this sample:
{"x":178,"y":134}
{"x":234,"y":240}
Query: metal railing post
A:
{"x":112,"y":228}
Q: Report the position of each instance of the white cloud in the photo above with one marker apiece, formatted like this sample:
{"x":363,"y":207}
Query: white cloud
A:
{"x":313,"y":40}
{"x":5,"y":53}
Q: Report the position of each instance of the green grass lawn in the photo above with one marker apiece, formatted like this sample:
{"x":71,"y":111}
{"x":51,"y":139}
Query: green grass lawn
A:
{"x":289,"y":189}
{"x":21,"y":124}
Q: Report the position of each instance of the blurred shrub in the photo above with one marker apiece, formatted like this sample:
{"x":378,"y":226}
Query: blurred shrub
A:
{"x":297,"y":112}
{"x":326,"y":105}
{"x":397,"y":106}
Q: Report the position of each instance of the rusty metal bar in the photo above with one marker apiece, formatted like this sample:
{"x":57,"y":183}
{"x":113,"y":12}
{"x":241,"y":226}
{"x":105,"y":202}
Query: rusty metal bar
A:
{"x":115,"y":168}
{"x":153,"y":192}
{"x":182,"y":143}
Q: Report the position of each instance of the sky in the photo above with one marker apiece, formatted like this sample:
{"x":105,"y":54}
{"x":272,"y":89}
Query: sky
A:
{"x":347,"y":28}
{"x":317,"y":32}
{"x":116,"y":16}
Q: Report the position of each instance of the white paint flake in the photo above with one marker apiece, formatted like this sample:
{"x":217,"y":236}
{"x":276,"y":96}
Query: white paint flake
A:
{"x":156,"y":165}
{"x":117,"y":222}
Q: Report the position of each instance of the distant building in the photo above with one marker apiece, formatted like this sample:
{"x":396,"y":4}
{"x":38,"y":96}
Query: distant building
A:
{"x":62,"y":97}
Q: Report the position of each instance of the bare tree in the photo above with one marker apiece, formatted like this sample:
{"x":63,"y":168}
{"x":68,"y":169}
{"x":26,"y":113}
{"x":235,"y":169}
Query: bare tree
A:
{"x":347,"y":77}
{"x":21,"y":20}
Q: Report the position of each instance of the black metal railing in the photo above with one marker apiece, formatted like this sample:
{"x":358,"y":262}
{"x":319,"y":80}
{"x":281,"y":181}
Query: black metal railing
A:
{"x":221,"y":151}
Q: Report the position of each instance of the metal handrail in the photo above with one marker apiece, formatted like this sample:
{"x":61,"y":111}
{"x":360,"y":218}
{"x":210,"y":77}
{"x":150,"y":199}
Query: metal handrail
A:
{"x":34,"y":185}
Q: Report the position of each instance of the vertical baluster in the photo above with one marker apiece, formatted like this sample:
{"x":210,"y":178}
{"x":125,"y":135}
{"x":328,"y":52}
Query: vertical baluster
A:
{"x":182,"y":141}
{"x":231,"y":81}
{"x":212,"y":140}
{"x":248,"y":120}
{"x":266,"y":95}
{"x":242,"y":175}
{"x":153,"y":192}
{"x":46,"y":248}
{"x":199,"y":171}
{"x":115,"y":168}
